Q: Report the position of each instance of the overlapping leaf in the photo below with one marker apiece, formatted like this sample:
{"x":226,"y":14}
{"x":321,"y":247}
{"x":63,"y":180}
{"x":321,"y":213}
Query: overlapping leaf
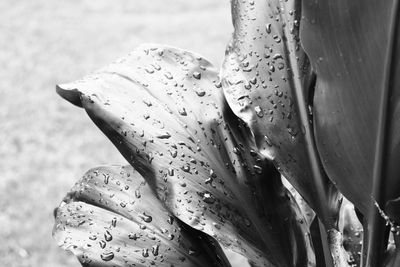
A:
{"x":354,"y":49}
{"x":266,"y":77}
{"x":111,"y":217}
{"x":348,"y":43}
{"x":162,"y":109}
{"x":392,"y":256}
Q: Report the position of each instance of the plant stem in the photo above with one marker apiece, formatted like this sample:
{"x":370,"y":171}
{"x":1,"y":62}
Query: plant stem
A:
{"x":325,"y":244}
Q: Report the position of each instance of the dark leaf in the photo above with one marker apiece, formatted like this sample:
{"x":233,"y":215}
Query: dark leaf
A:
{"x":392,"y":256}
{"x":353,"y":47}
{"x":111,"y":217}
{"x":162,"y":109}
{"x":393,"y":210}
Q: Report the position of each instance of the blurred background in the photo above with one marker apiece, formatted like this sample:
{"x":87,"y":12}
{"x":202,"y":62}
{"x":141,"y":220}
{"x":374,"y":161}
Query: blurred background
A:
{"x":46,"y":144}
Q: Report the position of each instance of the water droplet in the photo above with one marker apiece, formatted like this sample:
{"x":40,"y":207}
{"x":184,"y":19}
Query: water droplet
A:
{"x":259,"y":111}
{"x":200,"y":92}
{"x":147,"y":218}
{"x":213,"y":174}
{"x":168,"y":75}
{"x":107,"y":236}
{"x":193,"y":252}
{"x":165,"y":135}
{"x":277,"y":39}
{"x":170,"y":219}
{"x":271,"y":68}
{"x":145,"y":252}
{"x":182,"y":112}
{"x":197,"y":75}
{"x":257,"y":169}
{"x":114,"y":222}
{"x":133,"y":236}
{"x":148,"y":103}
{"x":137,"y":193}
{"x":268,"y":28}
{"x":154,"y":249}
{"x":208,"y":197}
{"x":106,"y":178}
{"x":102,"y":244}
{"x":185,"y":168}
{"x":149,"y":71}
{"x":107,"y":256}
{"x":173,"y":153}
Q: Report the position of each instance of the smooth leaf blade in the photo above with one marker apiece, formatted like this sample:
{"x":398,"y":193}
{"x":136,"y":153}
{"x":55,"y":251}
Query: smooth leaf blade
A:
{"x":356,"y":102}
{"x":348,"y":89}
{"x":111,"y":217}
{"x":163,"y":110}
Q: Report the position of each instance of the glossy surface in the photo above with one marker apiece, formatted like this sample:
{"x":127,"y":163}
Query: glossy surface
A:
{"x":348,"y":43}
{"x":267,"y":80}
{"x":163,"y":109}
{"x":111,"y":217}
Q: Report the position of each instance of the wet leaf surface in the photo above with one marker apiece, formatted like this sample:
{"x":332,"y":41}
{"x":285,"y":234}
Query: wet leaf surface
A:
{"x":267,"y":79}
{"x":164,"y":110}
{"x":111,"y":217}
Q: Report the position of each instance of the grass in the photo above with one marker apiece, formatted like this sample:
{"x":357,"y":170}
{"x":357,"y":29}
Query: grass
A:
{"x":45,"y":143}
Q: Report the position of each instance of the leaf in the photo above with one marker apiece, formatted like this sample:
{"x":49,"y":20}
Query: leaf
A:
{"x":163,"y":110}
{"x":353,"y":47}
{"x":266,"y":78}
{"x":392,"y":256}
{"x":307,"y":212}
{"x":393,"y":210}
{"x":352,"y":231}
{"x":348,"y":90}
{"x":111,"y":217}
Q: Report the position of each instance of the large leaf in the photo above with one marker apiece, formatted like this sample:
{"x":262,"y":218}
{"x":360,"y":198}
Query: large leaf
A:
{"x":162,"y":109}
{"x":353,"y":47}
{"x":266,"y":77}
{"x":111,"y":217}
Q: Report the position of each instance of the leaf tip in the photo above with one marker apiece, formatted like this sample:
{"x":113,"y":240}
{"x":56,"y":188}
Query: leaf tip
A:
{"x":70,"y":94}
